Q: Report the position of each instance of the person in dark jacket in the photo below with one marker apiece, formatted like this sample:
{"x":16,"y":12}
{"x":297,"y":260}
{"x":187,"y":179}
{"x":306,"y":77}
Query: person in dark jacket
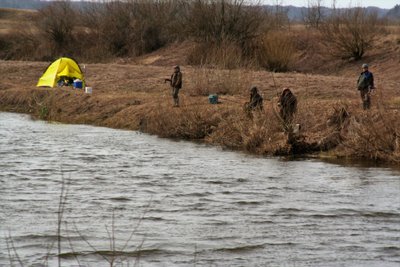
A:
{"x":176,"y":84}
{"x":365,"y":84}
{"x":256,"y":100}
{"x":288,"y":105}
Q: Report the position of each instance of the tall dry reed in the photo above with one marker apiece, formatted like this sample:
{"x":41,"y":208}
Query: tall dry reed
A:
{"x":374,"y":135}
{"x":277,"y":51}
{"x":185,"y":122}
{"x":261,"y":133}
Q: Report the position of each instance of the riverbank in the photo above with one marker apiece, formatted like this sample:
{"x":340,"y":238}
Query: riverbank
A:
{"x":134,"y":97}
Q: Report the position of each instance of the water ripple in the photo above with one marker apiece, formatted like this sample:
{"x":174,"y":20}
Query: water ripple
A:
{"x":169,"y":203}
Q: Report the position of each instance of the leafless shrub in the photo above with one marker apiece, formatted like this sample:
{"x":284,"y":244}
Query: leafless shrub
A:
{"x":221,"y":20}
{"x":314,"y":15}
{"x":260,"y":134}
{"x":184,"y":123}
{"x":229,"y":131}
{"x":224,"y":31}
{"x":374,"y":136}
{"x":156,"y":23}
{"x":114,"y":28}
{"x":339,"y":116}
{"x":350,"y":33}
{"x":277,"y":51}
{"x":56,"y":24}
{"x":133,"y":27}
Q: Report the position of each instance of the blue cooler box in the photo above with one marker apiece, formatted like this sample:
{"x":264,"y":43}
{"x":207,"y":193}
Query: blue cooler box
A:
{"x":78,"y":84}
{"x":213,"y":99}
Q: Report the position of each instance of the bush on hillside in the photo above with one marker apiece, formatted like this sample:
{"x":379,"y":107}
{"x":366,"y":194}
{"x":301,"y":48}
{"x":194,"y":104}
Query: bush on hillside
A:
{"x":21,"y":43}
{"x":131,"y":28}
{"x":224,"y":31}
{"x":350,"y":33}
{"x":277,"y":51}
{"x":375,"y":136}
{"x":18,"y":45}
{"x":217,"y":21}
{"x":56,"y":23}
{"x":314,"y":14}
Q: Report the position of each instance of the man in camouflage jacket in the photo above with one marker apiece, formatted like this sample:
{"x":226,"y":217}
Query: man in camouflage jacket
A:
{"x":176,"y":84}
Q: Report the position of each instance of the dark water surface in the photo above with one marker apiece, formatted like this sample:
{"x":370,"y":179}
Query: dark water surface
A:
{"x":200,"y":206}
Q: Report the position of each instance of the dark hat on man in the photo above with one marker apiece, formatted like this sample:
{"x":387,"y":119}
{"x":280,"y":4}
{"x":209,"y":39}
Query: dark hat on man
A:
{"x":253,"y":89}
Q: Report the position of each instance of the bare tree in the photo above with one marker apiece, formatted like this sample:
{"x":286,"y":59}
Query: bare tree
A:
{"x":56,"y":22}
{"x":133,"y":27}
{"x":278,"y":51}
{"x":351,"y":32}
{"x":314,"y":14}
{"x":221,"y":20}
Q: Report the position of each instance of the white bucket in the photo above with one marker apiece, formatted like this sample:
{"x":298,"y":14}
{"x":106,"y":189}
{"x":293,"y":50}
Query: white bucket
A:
{"x":88,"y":90}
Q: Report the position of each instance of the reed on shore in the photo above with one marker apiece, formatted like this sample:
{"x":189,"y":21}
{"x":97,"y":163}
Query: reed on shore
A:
{"x":332,"y":122}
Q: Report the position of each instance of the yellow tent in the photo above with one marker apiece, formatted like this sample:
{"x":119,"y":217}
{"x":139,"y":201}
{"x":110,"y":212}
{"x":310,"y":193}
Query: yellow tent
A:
{"x":62,"y":67}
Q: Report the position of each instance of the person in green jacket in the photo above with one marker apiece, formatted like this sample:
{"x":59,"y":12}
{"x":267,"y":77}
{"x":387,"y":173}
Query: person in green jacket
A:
{"x":365,"y":84}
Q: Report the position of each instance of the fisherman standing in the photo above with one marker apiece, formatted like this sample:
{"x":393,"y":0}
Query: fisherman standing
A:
{"x":365,"y":84}
{"x":176,"y":84}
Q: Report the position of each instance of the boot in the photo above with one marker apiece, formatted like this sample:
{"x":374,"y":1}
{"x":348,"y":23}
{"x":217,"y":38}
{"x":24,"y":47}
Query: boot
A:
{"x":176,"y":102}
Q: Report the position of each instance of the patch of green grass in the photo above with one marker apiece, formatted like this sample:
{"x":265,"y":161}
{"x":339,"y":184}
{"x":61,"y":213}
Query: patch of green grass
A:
{"x":43,"y":112}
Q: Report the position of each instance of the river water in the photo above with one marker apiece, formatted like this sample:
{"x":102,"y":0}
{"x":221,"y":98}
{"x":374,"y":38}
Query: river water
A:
{"x":157,"y":202}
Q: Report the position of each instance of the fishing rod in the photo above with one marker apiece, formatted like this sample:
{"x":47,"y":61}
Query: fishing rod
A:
{"x":275,"y":86}
{"x":231,"y":100}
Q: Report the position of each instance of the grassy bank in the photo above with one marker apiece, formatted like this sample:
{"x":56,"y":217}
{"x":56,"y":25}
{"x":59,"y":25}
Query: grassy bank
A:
{"x":134,"y":97}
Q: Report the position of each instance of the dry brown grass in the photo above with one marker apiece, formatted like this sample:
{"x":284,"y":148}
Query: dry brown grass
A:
{"x":16,"y":34}
{"x":130,"y":94}
{"x":374,"y":135}
{"x":278,"y":51}
{"x":224,"y":124}
{"x":206,"y":81}
{"x":261,"y":133}
{"x":224,"y":55}
{"x":187,"y":122}
{"x":13,"y":18}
